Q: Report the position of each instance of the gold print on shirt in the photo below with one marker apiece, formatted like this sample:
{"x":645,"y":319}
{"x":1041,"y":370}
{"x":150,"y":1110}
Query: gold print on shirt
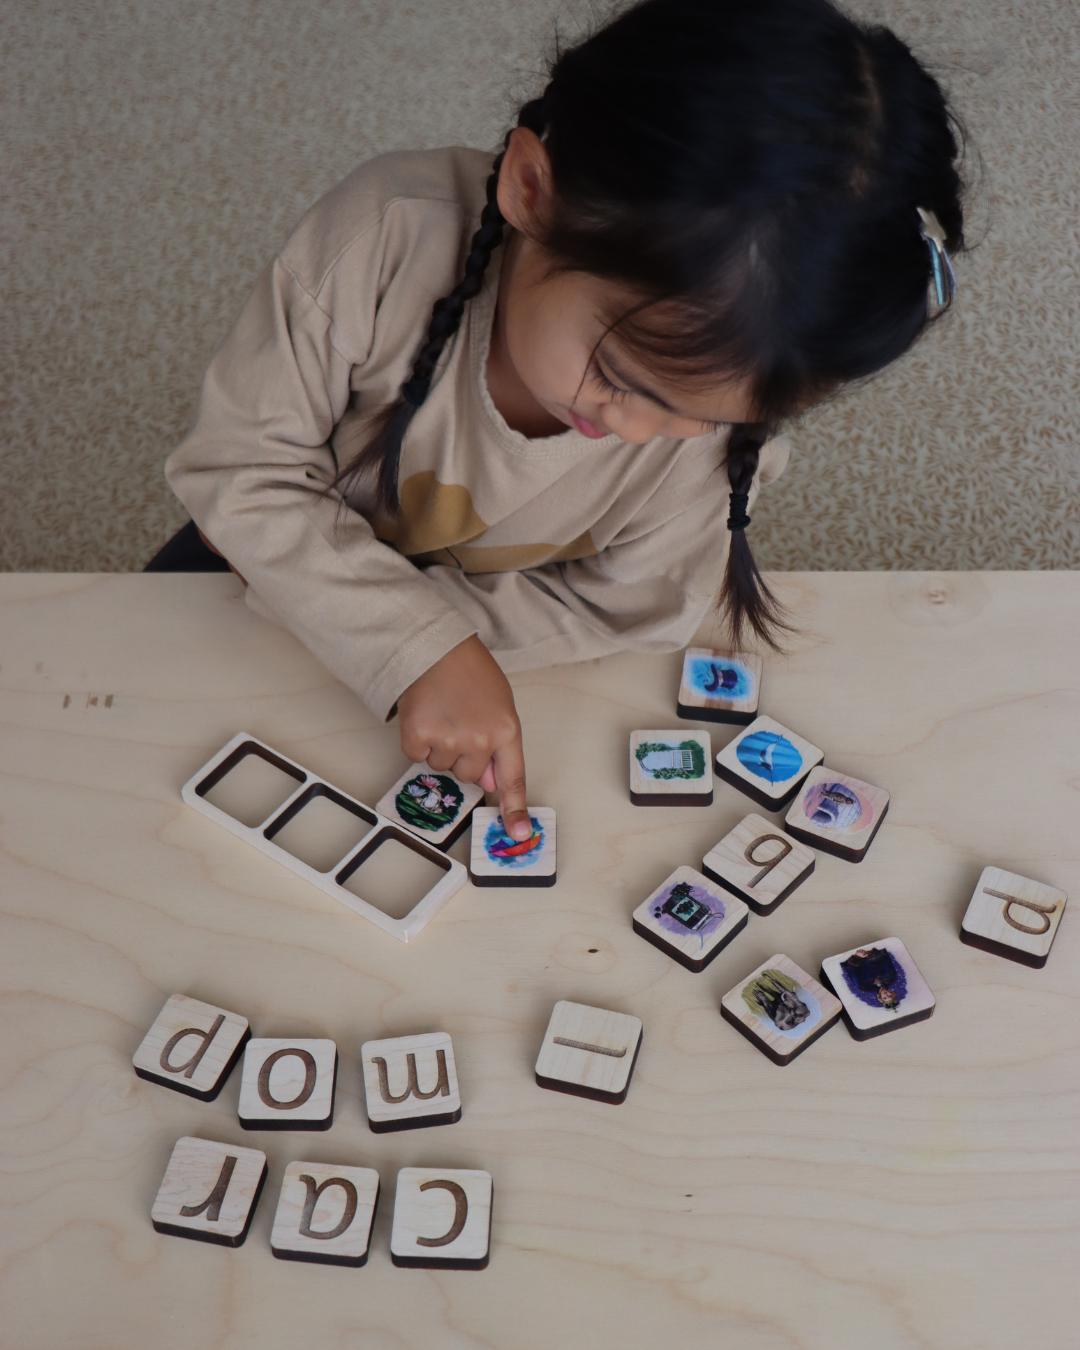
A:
{"x":438,"y":517}
{"x":433,"y":515}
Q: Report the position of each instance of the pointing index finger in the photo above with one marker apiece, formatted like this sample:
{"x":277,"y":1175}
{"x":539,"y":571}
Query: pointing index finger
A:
{"x":509,"y":761}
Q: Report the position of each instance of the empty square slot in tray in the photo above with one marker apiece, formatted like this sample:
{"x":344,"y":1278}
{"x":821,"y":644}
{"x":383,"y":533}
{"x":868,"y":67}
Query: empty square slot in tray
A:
{"x":393,"y":873}
{"x":321,"y":827}
{"x":250,"y":784}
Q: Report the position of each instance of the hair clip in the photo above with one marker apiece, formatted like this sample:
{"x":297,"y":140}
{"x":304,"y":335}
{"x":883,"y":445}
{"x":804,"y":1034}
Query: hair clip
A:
{"x":931,"y":231}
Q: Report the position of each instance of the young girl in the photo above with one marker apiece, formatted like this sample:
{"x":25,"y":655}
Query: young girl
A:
{"x":439,"y":453}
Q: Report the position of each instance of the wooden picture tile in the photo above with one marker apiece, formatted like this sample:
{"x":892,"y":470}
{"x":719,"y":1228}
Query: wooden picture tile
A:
{"x":192,"y":1046}
{"x":496,"y":859}
{"x":879,"y":987}
{"x":589,"y":1052}
{"x":432,"y":803}
{"x":442,"y":1218}
{"x":209,"y":1191}
{"x":288,"y":1084}
{"x":759,"y":863}
{"x":410,"y":1082}
{"x":718,"y":686}
{"x":837,"y":813}
{"x":780,"y":1008}
{"x":1013,"y":916}
{"x":671,"y":768}
{"x":689,"y":918}
{"x":767,"y":761}
{"x":324,"y":1213}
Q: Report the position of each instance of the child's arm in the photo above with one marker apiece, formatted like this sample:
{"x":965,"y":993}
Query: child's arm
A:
{"x":249,"y":472}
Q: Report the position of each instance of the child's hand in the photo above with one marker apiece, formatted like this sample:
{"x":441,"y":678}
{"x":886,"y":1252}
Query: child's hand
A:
{"x":460,"y":717}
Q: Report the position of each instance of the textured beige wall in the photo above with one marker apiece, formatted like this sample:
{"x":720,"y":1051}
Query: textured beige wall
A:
{"x":157,"y":154}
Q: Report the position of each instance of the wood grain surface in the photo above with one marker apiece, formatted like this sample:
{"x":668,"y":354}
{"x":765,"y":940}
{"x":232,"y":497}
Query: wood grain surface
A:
{"x":916,"y":1190}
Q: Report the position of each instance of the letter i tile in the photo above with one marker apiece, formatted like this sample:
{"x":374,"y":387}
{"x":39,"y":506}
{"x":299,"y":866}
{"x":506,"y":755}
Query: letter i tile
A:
{"x":589,"y":1052}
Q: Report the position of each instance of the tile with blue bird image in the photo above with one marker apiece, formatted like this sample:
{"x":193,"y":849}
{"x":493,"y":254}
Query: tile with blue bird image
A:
{"x":767,"y":761}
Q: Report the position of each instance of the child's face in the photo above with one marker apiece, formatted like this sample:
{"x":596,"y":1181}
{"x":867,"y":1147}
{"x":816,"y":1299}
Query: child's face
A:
{"x":545,"y":331}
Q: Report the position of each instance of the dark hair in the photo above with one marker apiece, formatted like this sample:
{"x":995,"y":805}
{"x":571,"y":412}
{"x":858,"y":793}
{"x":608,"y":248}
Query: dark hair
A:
{"x":752,"y":169}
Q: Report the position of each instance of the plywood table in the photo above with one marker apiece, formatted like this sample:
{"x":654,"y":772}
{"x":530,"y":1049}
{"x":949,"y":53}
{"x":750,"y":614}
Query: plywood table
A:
{"x":916,"y":1190}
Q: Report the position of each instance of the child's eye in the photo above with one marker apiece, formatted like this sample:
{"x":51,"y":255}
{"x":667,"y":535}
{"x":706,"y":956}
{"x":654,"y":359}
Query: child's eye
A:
{"x":613,"y":389}
{"x":618,"y":393}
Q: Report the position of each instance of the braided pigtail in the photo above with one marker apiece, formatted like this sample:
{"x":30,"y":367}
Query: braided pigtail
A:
{"x":746,"y":598}
{"x":383,"y":452}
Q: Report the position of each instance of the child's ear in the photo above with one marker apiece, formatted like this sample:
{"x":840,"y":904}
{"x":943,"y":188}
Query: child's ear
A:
{"x":526,"y":183}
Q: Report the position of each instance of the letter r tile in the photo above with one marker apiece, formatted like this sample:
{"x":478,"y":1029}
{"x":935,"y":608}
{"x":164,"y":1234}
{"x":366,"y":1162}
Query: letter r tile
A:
{"x":209,"y":1191}
{"x":410,"y":1082}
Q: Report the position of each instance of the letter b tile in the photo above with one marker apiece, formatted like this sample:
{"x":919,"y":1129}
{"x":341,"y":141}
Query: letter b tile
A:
{"x":410,"y":1081}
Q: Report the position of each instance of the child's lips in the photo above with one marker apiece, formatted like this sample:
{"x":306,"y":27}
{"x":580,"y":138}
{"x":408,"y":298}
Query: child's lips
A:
{"x":586,"y":428}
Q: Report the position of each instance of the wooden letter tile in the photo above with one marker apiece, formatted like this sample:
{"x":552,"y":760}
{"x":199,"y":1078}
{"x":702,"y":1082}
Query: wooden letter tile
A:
{"x":879,"y":987}
{"x":767,"y":761}
{"x":1013,"y":916}
{"x":410,"y":1082}
{"x":192,"y":1047}
{"x":759,"y":863}
{"x":837,"y":813}
{"x":324,"y":1213}
{"x":432,"y":803}
{"x":442,"y":1217}
{"x":780,"y":1008}
{"x":719,"y":686}
{"x":496,"y":859}
{"x":589,"y":1052}
{"x":209,"y":1191}
{"x":288,"y":1084}
{"x":671,"y":768}
{"x":688,"y":918}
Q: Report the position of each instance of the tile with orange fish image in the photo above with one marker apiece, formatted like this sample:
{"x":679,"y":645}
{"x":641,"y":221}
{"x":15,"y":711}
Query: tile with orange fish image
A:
{"x":497,"y":859}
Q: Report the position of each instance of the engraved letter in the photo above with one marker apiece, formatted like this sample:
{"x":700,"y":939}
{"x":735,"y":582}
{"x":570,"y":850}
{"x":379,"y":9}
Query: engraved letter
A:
{"x":594,"y":1049}
{"x":1044,"y":910}
{"x":312,"y":1199}
{"x":461,"y":1213}
{"x":212,"y":1203}
{"x":412,"y":1088}
{"x":308,"y":1061}
{"x":193,"y":1063}
{"x":785,"y":849}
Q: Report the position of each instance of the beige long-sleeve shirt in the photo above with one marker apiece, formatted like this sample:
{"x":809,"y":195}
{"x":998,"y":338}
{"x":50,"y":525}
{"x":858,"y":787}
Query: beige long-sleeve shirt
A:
{"x":551,"y":549}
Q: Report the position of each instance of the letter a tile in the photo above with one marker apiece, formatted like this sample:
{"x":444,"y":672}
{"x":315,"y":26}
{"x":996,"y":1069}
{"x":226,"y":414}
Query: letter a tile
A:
{"x":324,"y":1213}
{"x":209,"y":1191}
{"x":410,"y":1082}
